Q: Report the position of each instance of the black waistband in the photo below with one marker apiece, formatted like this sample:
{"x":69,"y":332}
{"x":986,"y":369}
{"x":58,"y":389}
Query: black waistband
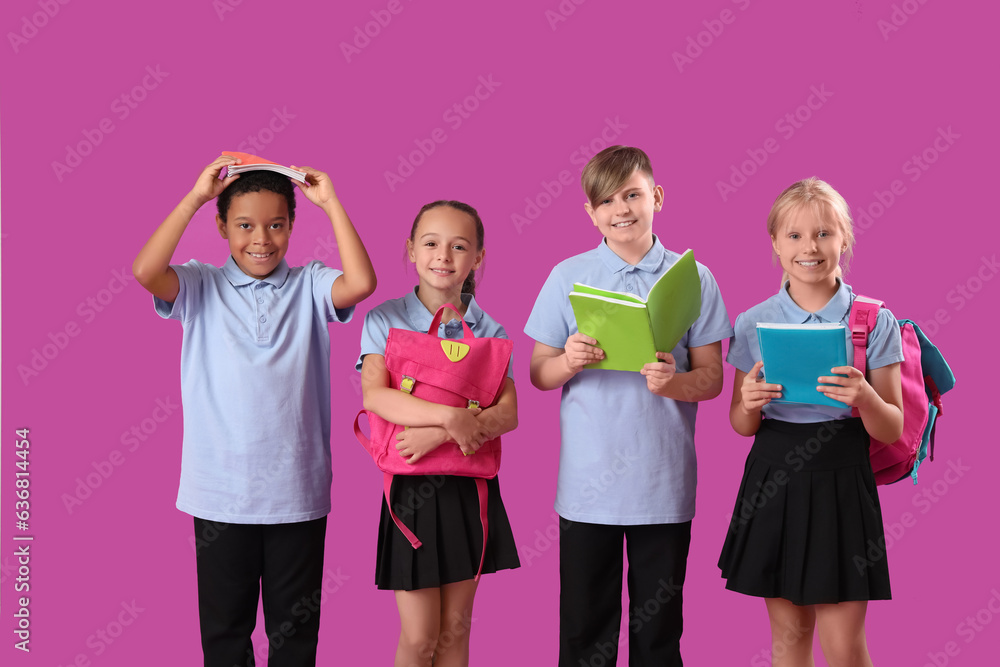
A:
{"x":812,"y":446}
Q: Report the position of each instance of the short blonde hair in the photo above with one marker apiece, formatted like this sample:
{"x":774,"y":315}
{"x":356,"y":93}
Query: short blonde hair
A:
{"x":827,"y":204}
{"x":610,"y":169}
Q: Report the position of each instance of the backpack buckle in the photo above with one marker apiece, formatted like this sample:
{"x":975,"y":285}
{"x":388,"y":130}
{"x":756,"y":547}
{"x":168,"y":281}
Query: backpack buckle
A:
{"x":406,"y":384}
{"x":859,"y":337}
{"x":472,"y":404}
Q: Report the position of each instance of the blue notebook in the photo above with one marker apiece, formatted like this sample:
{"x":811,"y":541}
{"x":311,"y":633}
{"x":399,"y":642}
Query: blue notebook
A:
{"x":796,"y":355}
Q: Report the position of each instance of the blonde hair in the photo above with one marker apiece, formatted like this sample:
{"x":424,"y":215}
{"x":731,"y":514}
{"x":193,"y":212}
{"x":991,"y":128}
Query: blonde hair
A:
{"x":828,"y":205}
{"x":610,"y":169}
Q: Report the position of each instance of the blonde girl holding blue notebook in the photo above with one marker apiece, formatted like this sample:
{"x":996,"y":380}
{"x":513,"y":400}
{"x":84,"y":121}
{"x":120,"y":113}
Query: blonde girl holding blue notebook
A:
{"x":807,"y":509}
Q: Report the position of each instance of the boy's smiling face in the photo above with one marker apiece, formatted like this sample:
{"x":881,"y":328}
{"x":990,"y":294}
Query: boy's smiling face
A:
{"x":257,"y":228}
{"x":625,"y":217}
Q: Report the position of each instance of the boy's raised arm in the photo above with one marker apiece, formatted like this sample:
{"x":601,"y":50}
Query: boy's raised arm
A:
{"x":358,"y":281}
{"x":152,"y":265}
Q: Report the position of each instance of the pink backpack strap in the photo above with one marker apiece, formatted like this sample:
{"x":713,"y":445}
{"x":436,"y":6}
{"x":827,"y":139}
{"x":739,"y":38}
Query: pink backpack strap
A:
{"x":436,"y":322}
{"x":483,"y":492}
{"x":387,"y":485}
{"x":864,"y":315}
{"x":484,"y":496}
{"x":359,"y":434}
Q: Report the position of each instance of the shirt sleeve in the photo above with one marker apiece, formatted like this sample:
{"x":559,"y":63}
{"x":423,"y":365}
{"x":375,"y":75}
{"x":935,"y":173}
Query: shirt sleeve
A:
{"x":547,"y":322}
{"x":323,"y":278}
{"x":189,"y":294}
{"x":500,"y":332}
{"x":374,"y":335}
{"x":713,"y":323}
{"x":885,"y":345}
{"x":740,"y":354}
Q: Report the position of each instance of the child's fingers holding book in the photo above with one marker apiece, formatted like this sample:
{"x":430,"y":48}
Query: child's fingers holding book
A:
{"x":755,"y":392}
{"x":318,"y":187}
{"x":666,"y":358}
{"x":659,"y":373}
{"x":581,"y":350}
{"x":208,"y":186}
{"x":853,"y":389}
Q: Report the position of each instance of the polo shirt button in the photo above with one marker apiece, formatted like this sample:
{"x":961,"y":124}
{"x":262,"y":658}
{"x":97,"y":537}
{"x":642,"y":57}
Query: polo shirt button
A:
{"x":263,"y":319}
{"x":260,"y":299}
{"x":629,"y":287}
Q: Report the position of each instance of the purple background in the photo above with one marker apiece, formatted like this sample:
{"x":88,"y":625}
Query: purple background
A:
{"x":882,"y":93}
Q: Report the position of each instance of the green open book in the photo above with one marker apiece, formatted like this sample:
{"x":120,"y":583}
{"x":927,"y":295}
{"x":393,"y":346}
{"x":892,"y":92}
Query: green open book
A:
{"x":631,"y":330}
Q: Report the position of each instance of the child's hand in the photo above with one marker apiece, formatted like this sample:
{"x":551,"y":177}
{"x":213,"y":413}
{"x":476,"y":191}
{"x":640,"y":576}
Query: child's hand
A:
{"x":580,"y":351}
{"x":658,"y":374}
{"x":318,"y":187}
{"x":414,"y":442}
{"x":463,"y":427}
{"x":208,"y":186}
{"x":756,"y":393}
{"x":853,"y":390}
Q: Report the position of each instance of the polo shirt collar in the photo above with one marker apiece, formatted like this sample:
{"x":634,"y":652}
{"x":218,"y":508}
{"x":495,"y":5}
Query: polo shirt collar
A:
{"x":650,"y":261}
{"x":420,"y":318}
{"x":237,"y":278}
{"x":834,"y":311}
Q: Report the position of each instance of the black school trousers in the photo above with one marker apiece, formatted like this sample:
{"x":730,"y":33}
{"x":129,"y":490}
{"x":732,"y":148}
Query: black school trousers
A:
{"x":282,"y":564}
{"x":590,"y":592}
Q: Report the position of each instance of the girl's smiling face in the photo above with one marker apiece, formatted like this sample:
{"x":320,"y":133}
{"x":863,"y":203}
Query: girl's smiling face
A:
{"x":443,"y":249}
{"x":809,"y":246}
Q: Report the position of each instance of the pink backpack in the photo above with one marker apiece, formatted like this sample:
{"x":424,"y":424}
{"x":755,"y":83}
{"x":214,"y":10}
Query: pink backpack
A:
{"x":469,"y":372}
{"x":924,"y":375}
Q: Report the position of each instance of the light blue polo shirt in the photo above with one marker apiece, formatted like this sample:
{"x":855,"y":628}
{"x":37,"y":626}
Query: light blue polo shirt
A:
{"x":255,"y":388}
{"x":410,"y":313}
{"x":627,"y":456}
{"x":884,"y":346}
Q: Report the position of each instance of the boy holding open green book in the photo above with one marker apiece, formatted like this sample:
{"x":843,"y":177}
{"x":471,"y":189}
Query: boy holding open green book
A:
{"x":627,"y":467}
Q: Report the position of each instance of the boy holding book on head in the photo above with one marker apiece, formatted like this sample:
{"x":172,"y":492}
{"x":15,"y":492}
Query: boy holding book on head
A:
{"x":255,"y":387}
{"x":627,"y":460}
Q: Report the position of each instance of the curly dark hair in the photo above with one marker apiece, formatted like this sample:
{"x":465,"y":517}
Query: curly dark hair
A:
{"x":256,"y":181}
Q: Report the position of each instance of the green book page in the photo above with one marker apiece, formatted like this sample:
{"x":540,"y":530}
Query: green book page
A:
{"x":674,"y":302}
{"x":622,"y":330}
{"x":608,"y":294}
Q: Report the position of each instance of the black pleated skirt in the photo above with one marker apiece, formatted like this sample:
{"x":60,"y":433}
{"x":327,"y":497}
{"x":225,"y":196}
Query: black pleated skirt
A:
{"x":443,"y":512}
{"x":807,"y":525}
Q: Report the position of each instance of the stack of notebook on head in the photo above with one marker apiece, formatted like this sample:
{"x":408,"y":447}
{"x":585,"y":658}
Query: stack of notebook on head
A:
{"x":253,"y":163}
